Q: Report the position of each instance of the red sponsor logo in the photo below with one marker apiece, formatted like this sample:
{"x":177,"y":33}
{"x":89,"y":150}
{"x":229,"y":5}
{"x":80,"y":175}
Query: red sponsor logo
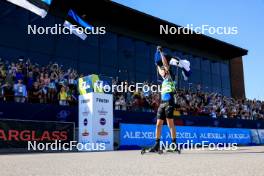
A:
{"x":32,"y":135}
{"x":85,"y":133}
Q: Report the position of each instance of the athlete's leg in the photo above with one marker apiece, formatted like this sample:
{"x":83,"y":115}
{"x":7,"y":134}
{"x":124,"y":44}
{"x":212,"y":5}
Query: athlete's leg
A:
{"x":159,"y":125}
{"x":170,"y":121}
{"x":172,"y":128}
{"x":156,"y":146}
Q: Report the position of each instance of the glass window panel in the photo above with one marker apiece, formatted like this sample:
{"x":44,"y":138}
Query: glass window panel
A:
{"x":226,"y":82}
{"x":109,"y":41}
{"x":205,"y":65}
{"x":216,"y":80}
{"x":87,"y":69}
{"x":108,"y":71}
{"x":227,"y":92}
{"x":108,"y":57}
{"x":141,"y":77}
{"x":93,"y":40}
{"x":195,"y":76}
{"x":215,"y":67}
{"x":224,"y":69}
{"x":195,"y":62}
{"x":142,"y":49}
{"x":89,"y":54}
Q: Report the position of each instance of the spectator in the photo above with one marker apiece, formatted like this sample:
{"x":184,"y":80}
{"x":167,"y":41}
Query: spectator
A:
{"x":35,"y":93}
{"x":44,"y":82}
{"x":20,"y":91}
{"x":63,"y":97}
{"x":1,"y":92}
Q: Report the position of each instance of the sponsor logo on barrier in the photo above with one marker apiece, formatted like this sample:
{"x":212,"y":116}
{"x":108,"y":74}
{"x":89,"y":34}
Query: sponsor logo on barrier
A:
{"x":139,"y":135}
{"x":85,"y":85}
{"x":85,"y":122}
{"x":102,"y":133}
{"x":102,"y":112}
{"x":85,"y":133}
{"x":238,"y":136}
{"x":102,"y":121}
{"x":151,"y":135}
{"x":212,"y":136}
{"x":102,"y":100}
{"x":32,"y":135}
{"x":16,"y":133}
{"x":63,"y":114}
{"x":142,"y":135}
{"x":85,"y":112}
{"x":85,"y":101}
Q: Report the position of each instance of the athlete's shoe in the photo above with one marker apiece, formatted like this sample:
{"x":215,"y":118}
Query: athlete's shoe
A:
{"x":176,"y":149}
{"x":155,"y":148}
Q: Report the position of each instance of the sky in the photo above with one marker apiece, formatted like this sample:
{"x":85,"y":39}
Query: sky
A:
{"x":247,"y":16}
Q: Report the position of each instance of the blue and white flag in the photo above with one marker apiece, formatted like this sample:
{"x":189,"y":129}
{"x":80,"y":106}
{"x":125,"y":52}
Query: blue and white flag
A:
{"x":77,"y":25}
{"x":175,"y":61}
{"x":184,"y":64}
{"x":158,"y":60}
{"x":39,"y":7}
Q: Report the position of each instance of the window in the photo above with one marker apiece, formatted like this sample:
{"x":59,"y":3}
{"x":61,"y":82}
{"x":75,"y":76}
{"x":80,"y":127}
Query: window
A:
{"x":88,"y":54}
{"x":224,"y":69}
{"x":109,"y":41}
{"x":206,"y":81}
{"x":205,"y":65}
{"x":215,"y":67}
{"x":195,"y":62}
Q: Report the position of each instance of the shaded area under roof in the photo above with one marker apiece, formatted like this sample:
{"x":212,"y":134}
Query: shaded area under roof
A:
{"x":118,"y":15}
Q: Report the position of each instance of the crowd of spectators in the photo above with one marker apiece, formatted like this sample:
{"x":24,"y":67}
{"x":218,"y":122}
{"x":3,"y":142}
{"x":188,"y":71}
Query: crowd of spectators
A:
{"x":23,"y":81}
{"x":194,"y":103}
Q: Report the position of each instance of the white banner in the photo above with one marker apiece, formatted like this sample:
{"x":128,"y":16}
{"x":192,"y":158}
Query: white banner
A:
{"x":96,"y":119}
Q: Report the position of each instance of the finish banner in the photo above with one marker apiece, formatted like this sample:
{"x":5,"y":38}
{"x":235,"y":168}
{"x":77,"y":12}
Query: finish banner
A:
{"x":17,"y":133}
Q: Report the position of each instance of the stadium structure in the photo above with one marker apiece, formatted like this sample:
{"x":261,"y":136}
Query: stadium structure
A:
{"x":127,"y":49}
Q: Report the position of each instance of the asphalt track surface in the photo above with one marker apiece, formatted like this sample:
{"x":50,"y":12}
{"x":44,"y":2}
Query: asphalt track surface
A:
{"x":246,"y":161}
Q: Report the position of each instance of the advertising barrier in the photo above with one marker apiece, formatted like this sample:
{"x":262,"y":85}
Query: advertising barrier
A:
{"x":255,"y":139}
{"x":51,"y":112}
{"x":96,"y":119}
{"x":204,"y":121}
{"x":17,"y":133}
{"x":261,"y":136}
{"x":95,"y":112}
{"x":144,"y":135}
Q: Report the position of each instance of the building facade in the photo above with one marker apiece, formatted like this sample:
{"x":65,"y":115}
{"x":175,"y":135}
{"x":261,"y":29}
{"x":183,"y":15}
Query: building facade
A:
{"x":127,"y":49}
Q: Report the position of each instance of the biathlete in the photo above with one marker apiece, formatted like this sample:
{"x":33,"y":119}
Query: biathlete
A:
{"x":165,"y":110}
